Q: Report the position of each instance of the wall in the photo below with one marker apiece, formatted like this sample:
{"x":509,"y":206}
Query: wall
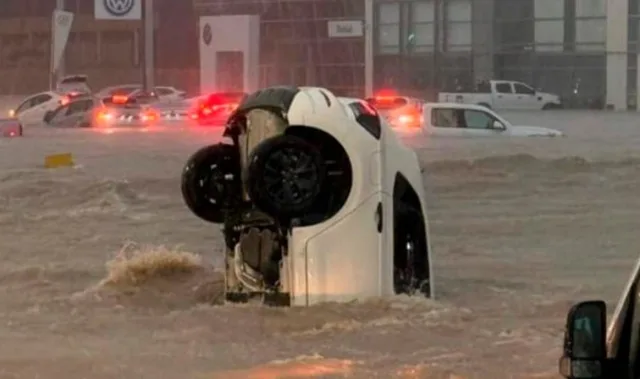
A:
{"x":107,"y":51}
{"x":294,"y":44}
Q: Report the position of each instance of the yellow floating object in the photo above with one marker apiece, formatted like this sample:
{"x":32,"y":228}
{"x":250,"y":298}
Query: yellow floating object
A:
{"x":58,"y":160}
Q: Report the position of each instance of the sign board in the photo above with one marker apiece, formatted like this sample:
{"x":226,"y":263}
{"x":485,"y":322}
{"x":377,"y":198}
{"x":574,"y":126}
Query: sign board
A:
{"x":60,"y":26}
{"x":340,"y":29}
{"x":118,"y":9}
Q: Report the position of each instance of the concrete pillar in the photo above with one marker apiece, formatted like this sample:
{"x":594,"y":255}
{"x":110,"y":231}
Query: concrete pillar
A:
{"x":368,"y":47}
{"x":482,"y":39}
{"x":617,"y":25}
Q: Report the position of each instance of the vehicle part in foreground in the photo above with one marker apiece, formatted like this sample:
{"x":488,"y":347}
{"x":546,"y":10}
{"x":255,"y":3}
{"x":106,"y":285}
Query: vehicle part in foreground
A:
{"x":318,"y":199}
{"x":593,"y":351}
{"x":10,"y":128}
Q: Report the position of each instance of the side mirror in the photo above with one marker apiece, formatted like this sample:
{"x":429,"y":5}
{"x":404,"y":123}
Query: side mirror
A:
{"x":584,"y":350}
{"x":497,"y":125}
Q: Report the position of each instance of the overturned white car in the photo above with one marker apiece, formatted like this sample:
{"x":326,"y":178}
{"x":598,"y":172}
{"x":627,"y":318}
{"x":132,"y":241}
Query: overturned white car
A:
{"x":319,"y":200}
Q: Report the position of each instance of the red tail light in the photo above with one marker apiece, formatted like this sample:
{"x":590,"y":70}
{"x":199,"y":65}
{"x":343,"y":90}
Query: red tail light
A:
{"x":119,"y":99}
{"x":65,"y":100}
{"x":149,"y":115}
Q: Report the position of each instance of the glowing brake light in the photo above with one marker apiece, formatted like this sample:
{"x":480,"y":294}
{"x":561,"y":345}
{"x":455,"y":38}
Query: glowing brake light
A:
{"x":65,"y":100}
{"x":119,"y":99}
{"x":149,"y":115}
{"x":104,"y":115}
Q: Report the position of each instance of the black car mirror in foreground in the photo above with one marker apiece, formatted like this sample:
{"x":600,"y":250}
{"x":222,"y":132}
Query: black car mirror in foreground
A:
{"x":584,"y":351}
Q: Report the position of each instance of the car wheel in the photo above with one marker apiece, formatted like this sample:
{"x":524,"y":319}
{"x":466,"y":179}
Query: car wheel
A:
{"x":550,"y":106}
{"x":210,"y":182}
{"x":284,"y":176}
{"x":410,"y":267}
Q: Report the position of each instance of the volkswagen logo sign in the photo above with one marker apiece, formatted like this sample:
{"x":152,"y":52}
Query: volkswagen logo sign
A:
{"x":207,"y":35}
{"x":119,"y":8}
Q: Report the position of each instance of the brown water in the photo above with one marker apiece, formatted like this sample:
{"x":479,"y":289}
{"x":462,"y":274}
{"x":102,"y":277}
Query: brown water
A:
{"x":106,"y":274}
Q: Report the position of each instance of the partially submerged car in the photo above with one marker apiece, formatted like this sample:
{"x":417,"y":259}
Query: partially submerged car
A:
{"x":400,"y":111}
{"x":162,"y":93}
{"x":454,"y":119}
{"x":318,"y":198}
{"x":34,"y":107}
{"x":77,"y":113}
{"x":10,"y":128}
{"x":591,"y":350}
{"x":214,"y":109}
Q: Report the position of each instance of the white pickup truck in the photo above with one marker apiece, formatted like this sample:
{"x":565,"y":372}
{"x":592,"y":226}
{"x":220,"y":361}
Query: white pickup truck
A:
{"x":504,"y":94}
{"x":469,"y":120}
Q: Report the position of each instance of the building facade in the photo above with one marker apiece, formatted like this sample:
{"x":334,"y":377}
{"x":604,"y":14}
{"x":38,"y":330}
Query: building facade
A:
{"x":296,"y":44}
{"x":107,"y":51}
{"x":584,"y":50}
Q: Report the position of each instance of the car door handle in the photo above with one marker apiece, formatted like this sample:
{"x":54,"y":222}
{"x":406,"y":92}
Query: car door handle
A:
{"x":499,"y":96}
{"x":378,"y":218}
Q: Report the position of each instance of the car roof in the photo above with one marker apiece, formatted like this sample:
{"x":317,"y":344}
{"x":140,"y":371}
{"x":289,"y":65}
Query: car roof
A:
{"x":457,"y":106}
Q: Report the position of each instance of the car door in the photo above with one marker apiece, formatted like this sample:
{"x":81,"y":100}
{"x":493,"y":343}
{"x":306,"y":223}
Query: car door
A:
{"x":78,"y":111}
{"x":480,"y":123}
{"x":504,"y":97}
{"x":445,"y":122}
{"x":35,"y":108}
{"x":58,"y":116}
{"x":526,"y":97}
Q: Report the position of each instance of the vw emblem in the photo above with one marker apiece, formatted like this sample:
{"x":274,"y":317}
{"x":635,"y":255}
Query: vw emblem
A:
{"x":206,"y":34}
{"x":119,"y":8}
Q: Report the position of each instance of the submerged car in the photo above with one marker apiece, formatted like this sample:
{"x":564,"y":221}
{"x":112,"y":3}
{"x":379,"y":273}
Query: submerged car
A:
{"x":454,"y":119}
{"x":162,"y":93}
{"x":34,"y":107}
{"x":214,"y":109}
{"x":318,"y":198}
{"x":400,"y":111}
{"x":77,"y":113}
{"x":10,"y":128}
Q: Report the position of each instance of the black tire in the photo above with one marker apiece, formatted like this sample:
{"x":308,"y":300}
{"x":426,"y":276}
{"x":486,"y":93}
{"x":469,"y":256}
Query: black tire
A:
{"x":211,"y":183}
{"x":285,"y":176}
{"x":550,"y":106}
{"x":411,"y":264}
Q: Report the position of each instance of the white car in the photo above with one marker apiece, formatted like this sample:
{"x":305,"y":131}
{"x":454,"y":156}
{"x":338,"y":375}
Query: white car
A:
{"x":505,"y":94}
{"x":454,"y":119}
{"x":319,"y":200}
{"x":34,"y":107}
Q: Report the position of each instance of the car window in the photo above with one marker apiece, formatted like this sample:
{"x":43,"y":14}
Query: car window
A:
{"x":123,"y":90}
{"x":367,"y":117}
{"x":445,"y":118}
{"x":523,"y":89}
{"x":43,"y":98}
{"x":28,"y":103}
{"x":474,"y":119}
{"x":59,"y":113}
{"x":80,"y":106}
{"x":163,"y":91}
{"x":503,"y":88}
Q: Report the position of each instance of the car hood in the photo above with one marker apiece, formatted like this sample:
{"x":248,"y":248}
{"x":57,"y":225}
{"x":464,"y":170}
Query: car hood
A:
{"x":534,"y":131}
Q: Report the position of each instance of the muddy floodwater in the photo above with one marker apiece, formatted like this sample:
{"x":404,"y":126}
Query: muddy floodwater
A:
{"x":106,"y":274}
